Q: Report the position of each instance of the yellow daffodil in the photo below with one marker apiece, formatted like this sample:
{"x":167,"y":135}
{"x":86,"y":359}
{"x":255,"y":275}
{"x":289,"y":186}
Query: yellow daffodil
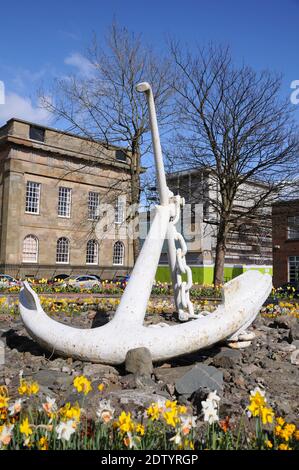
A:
{"x":267,"y":415}
{"x":28,"y":388}
{"x":25,"y":427}
{"x":69,"y":412}
{"x":3,"y":401}
{"x":268,"y":444}
{"x":82,"y":384}
{"x":140,"y":429}
{"x":101,"y":387}
{"x":280,"y":421}
{"x":153,"y":412}
{"x":284,"y":447}
{"x":43,"y":443}
{"x":171,"y":418}
{"x":124,"y":423}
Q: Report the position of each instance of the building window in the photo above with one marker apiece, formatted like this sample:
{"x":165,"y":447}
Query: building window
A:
{"x":30,"y":249}
{"x":93,"y":205}
{"x":63,"y":250}
{"x":92,"y":252}
{"x":294,"y":269}
{"x":64,"y":202}
{"x":120,"y":210}
{"x":32,"y":197}
{"x":293,"y":227}
{"x":120,"y":156}
{"x":118,"y":253}
{"x":37,"y":133}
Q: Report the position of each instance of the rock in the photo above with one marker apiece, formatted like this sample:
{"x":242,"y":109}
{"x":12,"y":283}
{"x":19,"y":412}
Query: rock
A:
{"x":285,"y":347}
{"x":227,"y":358}
{"x":284,"y":321}
{"x":295,"y":357}
{"x":249,"y":369}
{"x":200,"y":376}
{"x":138,"y":381}
{"x":171,"y":375}
{"x":296,"y":343}
{"x":139,"y":361}
{"x":53,"y":379}
{"x":136,"y":397}
{"x":99,"y":370}
{"x":294,"y":332}
{"x":66,"y":370}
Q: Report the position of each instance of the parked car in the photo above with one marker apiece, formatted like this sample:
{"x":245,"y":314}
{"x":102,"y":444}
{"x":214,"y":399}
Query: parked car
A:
{"x":85,"y":281}
{"x":122,"y":280}
{"x":58,"y":278}
{"x":95,"y":275}
{"x":8,"y":281}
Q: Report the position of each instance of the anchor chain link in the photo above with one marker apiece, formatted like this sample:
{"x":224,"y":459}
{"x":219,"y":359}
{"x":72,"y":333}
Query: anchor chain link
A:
{"x":182,"y":288}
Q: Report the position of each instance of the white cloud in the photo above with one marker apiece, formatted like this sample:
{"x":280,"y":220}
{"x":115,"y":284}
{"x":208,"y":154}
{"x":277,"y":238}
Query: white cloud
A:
{"x":22,"y":108}
{"x":85,"y":68}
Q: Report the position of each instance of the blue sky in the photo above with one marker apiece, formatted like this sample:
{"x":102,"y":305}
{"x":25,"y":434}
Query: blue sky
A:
{"x":40,"y":41}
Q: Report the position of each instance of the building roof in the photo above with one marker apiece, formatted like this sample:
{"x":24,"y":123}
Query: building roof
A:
{"x":62,"y":142}
{"x":207,"y":169}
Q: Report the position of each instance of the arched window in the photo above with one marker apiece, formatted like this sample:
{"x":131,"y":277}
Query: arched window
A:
{"x":92,"y":252}
{"x":63,"y":250}
{"x":118,"y":253}
{"x":30,"y":249}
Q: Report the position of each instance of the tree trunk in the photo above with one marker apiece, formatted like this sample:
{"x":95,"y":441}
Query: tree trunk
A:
{"x":135,"y":195}
{"x":220,"y":255}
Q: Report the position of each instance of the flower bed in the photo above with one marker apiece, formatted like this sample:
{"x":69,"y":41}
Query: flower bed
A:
{"x":73,"y":305}
{"x":29,"y":422}
{"x":115,"y":288}
{"x":282,"y":308}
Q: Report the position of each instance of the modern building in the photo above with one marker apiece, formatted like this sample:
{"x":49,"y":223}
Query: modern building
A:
{"x":285,"y":232}
{"x":250,"y":241}
{"x":52,"y":186}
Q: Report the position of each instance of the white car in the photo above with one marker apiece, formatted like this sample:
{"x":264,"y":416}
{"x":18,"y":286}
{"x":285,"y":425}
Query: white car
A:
{"x":8,"y":281}
{"x":85,"y":281}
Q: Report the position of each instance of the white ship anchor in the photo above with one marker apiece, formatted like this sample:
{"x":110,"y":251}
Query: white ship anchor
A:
{"x":241,"y":302}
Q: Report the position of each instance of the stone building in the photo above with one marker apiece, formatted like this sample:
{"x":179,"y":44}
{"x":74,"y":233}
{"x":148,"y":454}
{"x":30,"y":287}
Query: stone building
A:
{"x":285,"y":222}
{"x":52,"y":186}
{"x":250,"y":243}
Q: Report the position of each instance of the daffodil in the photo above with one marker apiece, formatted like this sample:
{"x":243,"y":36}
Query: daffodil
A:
{"x":25,"y":427}
{"x":268,"y":444}
{"x":280,"y":421}
{"x":131,"y":441}
{"x":124,"y":423}
{"x":284,"y":447}
{"x":15,"y":408}
{"x":140,"y":429}
{"x":65,"y":429}
{"x":153,"y":412}
{"x":187,"y":423}
{"x":3,"y":401}
{"x":28,"y":388}
{"x":267,"y":415}
{"x":171,"y":417}
{"x":68,"y":412}
{"x":43,"y":443}
{"x":82,"y":384}
{"x":5,"y":434}
{"x":105,"y":411}
{"x":210,"y":408}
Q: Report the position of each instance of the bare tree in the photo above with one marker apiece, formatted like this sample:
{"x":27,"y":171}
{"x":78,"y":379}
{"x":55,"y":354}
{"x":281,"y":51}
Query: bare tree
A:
{"x":234,"y":125}
{"x":104,"y":106}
